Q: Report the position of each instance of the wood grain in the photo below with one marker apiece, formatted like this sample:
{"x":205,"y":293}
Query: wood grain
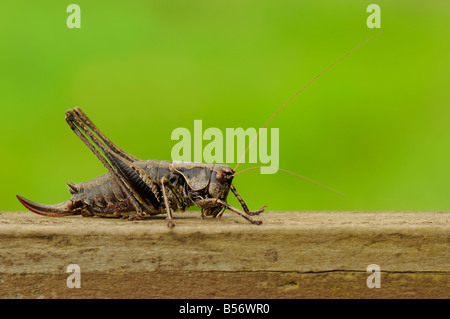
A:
{"x":292,"y":255}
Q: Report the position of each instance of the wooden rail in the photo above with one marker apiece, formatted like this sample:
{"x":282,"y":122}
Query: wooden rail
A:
{"x":292,"y":255}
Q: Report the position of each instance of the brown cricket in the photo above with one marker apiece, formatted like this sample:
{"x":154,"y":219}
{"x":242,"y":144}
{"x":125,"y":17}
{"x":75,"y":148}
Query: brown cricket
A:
{"x":134,"y":188}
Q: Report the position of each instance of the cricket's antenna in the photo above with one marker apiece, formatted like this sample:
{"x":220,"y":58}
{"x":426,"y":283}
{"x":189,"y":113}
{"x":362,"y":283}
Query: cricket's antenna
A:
{"x":292,"y":173}
{"x":304,"y":87}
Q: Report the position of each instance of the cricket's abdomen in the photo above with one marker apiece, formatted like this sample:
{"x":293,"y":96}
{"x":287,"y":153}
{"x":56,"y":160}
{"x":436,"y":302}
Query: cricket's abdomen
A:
{"x":100,"y":196}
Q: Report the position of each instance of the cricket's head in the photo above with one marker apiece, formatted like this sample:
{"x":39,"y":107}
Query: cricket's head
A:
{"x":219,"y":185}
{"x":220,"y":181}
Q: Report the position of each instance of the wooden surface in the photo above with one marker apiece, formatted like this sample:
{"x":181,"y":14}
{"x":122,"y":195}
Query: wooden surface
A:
{"x":292,"y":255}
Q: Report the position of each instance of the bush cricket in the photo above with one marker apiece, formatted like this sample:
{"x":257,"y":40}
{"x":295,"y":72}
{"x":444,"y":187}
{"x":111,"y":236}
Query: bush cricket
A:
{"x":133,"y":188}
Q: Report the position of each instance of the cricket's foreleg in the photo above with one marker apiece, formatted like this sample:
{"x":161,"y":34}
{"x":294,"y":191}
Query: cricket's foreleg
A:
{"x":141,"y":193}
{"x":214,"y":202}
{"x":83,"y":117}
{"x":244,"y":206}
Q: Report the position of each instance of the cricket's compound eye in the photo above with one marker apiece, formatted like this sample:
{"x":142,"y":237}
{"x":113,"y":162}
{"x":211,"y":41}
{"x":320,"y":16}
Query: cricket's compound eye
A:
{"x":220,"y":177}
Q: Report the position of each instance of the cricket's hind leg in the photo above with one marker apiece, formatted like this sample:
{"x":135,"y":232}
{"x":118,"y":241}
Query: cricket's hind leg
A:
{"x":139,"y":188}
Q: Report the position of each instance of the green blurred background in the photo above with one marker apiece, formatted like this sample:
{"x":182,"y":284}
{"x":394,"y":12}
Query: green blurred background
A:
{"x":375,"y":127}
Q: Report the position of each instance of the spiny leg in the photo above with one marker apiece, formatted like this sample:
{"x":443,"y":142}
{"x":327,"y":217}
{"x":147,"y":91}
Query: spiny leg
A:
{"x":137,"y":182}
{"x":214,"y":202}
{"x":113,"y":173}
{"x":167,"y":185}
{"x":102,"y":136}
{"x":219,"y":213}
{"x":169,"y":218}
{"x":244,"y":206}
{"x":237,"y":211}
